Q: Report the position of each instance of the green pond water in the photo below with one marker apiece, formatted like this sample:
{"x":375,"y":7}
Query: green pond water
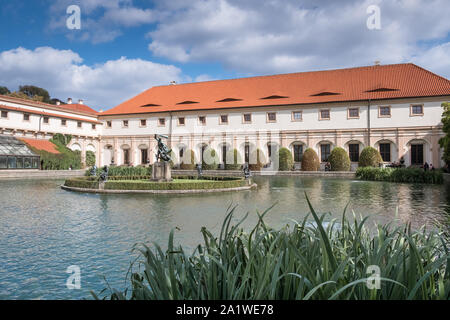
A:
{"x":44,"y":229}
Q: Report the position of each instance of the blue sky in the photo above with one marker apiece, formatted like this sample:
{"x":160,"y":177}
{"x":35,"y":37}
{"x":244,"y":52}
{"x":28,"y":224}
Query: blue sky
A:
{"x":127,"y":46}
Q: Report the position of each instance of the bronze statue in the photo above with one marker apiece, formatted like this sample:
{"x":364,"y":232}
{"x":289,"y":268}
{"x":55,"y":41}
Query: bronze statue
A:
{"x":163,"y":151}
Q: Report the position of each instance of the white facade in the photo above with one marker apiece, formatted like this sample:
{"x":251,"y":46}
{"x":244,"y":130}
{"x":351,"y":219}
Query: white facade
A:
{"x":401,"y":129}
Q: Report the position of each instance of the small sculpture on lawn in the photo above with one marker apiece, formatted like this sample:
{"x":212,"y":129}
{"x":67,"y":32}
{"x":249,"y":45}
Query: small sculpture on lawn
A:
{"x":104,"y":174}
{"x":246,"y":170}
{"x":199,"y":169}
{"x":94,"y":171}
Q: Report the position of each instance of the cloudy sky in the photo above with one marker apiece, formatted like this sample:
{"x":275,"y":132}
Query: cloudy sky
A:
{"x":126,"y":46}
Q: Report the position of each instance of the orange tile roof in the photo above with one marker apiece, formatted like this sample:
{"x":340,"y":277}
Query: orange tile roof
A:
{"x":354,"y":84}
{"x":44,"y":145}
{"x":78,"y":107}
{"x":82,"y":108}
{"x":53,"y":115}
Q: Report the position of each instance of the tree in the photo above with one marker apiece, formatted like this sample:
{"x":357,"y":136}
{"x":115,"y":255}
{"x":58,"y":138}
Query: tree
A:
{"x":310,"y":160}
{"x":257,"y":160}
{"x":90,"y":158}
{"x":445,"y":141}
{"x":210,"y":159}
{"x":370,"y":157}
{"x":339,"y":160}
{"x":233,"y":160}
{"x":285,"y":159}
{"x":4,"y":90}
{"x":33,"y":91}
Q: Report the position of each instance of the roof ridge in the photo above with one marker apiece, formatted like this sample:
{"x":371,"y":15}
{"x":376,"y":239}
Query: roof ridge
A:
{"x":284,"y":74}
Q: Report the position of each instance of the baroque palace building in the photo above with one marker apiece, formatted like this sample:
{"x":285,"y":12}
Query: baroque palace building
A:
{"x":394,"y":108}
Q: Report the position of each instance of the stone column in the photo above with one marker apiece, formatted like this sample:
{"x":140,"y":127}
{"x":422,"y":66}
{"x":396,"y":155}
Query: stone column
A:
{"x":83,"y":152}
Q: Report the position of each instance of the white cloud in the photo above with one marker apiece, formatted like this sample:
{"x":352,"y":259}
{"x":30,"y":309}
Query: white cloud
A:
{"x":102,"y":20}
{"x":284,"y":36}
{"x":62,"y":73}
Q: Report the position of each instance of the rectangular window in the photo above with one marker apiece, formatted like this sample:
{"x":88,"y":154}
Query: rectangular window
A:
{"x":108,"y":124}
{"x":181,"y":121}
{"x":325,"y":150}
{"x":202,"y":120}
{"x":224,"y":154}
{"x":19,"y":163}
{"x":247,"y":117}
{"x":417,"y":110}
{"x":384,"y":112}
{"x":26,"y":117}
{"x":27,"y":163}
{"x":63,"y":122}
{"x":162,"y":122}
{"x":417,"y":154}
{"x":324,"y":114}
{"x":247,"y":153}
{"x":125,"y":123}
{"x":353,"y":152}
{"x":12,"y":163}
{"x":4,"y":114}
{"x":46,"y":120}
{"x":353,"y":113}
{"x":3,"y":163}
{"x":385,"y":151}
{"x":79,"y":124}
{"x":271,"y":117}
{"x":35,"y":163}
{"x":224,"y":119}
{"x":143,"y":123}
{"x":298,"y":152}
{"x":144,"y":156}
{"x":297,"y":116}
{"x":93,"y":126}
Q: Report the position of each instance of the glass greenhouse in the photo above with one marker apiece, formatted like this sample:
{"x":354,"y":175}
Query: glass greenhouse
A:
{"x":14,"y":154}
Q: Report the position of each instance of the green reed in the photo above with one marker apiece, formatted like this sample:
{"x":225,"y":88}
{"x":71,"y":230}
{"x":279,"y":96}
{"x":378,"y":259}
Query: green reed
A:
{"x":301,"y":261}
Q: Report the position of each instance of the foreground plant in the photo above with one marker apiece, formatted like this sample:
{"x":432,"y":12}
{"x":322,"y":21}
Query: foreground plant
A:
{"x":302,"y":261}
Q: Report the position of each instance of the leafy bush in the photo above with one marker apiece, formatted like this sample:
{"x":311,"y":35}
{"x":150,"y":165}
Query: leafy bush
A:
{"x":185,"y":164}
{"x":63,"y":161}
{"x":303,"y":261}
{"x":310,"y":160}
{"x":90,"y":158}
{"x":286,"y":161}
{"x":408,"y":175}
{"x":445,"y":141}
{"x":233,"y":160}
{"x":257,"y":160}
{"x":370,"y":157}
{"x":339,"y":160}
{"x":210,"y":159}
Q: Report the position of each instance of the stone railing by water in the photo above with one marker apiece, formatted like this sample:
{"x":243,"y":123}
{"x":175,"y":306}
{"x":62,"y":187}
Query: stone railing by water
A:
{"x":331,"y":174}
{"x":40,"y":174}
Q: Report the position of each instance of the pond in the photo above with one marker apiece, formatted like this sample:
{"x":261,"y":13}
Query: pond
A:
{"x":44,"y":230}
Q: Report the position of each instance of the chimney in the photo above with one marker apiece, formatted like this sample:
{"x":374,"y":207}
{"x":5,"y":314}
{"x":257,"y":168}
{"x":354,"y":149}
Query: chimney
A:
{"x":377,"y":63}
{"x":58,"y":102}
{"x":69,"y":100}
{"x":80,"y":101}
{"x":173,"y":82}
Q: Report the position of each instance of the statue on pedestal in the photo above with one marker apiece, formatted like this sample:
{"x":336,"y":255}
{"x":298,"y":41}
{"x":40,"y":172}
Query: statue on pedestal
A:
{"x":161,"y":168}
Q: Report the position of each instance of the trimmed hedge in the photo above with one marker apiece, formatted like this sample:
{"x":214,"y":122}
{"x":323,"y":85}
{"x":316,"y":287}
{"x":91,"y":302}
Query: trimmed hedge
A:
{"x":194,"y":185}
{"x":233,"y":160}
{"x":339,"y":160}
{"x":84,"y":183}
{"x":310,"y":160}
{"x":407,"y":175}
{"x":285,"y":159}
{"x":123,"y":171}
{"x":370,"y":157}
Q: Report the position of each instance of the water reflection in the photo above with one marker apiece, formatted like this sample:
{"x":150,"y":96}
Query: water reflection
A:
{"x":44,"y":229}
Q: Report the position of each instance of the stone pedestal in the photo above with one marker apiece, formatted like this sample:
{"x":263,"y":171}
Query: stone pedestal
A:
{"x":161,"y":172}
